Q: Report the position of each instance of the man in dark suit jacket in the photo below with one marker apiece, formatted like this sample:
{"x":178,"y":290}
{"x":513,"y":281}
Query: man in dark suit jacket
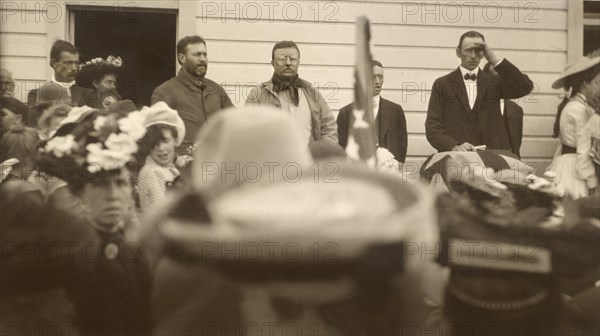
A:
{"x":512,"y":114}
{"x":390,"y":122}
{"x":64,"y":59}
{"x":464,"y":109}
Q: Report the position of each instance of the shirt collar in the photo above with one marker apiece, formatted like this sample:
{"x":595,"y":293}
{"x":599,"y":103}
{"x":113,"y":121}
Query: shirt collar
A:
{"x":66,"y":85}
{"x":376,"y":99}
{"x":465,"y":71}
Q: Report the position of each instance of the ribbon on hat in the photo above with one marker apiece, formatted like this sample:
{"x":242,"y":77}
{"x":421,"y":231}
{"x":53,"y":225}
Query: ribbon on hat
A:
{"x":499,"y":256}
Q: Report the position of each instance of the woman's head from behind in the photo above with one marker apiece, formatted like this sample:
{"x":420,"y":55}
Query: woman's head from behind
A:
{"x":51,"y":117}
{"x":585,"y":82}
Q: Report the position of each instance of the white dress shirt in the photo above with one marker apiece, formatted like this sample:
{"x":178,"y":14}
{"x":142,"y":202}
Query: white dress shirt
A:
{"x":376,"y":100}
{"x":471,"y":85}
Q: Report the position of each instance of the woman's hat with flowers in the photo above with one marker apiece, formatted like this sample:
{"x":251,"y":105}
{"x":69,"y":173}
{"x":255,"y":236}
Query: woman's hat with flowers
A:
{"x":87,"y":141}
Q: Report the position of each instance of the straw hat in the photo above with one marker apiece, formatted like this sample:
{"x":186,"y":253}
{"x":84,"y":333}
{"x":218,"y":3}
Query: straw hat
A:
{"x":582,"y":64}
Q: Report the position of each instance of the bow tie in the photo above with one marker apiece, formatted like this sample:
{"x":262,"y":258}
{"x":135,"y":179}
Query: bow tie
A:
{"x":472,"y":77}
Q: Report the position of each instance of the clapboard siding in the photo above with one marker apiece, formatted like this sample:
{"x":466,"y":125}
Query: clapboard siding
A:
{"x":547,"y":4}
{"x":413,"y":100}
{"x":415,"y":50}
{"x":341,"y":76}
{"x":23,"y":21}
{"x":407,"y":13}
{"x":391,"y":57}
{"x":31,"y":45}
{"x":23,"y":34}
{"x":407,"y":36}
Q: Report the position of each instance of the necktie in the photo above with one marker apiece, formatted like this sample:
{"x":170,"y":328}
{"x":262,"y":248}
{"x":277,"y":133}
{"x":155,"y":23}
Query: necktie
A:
{"x":470,"y":77}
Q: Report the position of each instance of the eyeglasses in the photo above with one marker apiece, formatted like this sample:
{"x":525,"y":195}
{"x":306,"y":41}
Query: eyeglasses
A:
{"x":283,"y":59}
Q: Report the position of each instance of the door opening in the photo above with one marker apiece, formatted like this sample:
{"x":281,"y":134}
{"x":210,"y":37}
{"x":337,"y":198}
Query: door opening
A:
{"x":145,"y":39}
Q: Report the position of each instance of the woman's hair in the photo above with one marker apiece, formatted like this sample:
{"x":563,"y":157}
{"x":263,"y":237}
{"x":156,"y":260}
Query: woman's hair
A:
{"x":95,"y":72}
{"x":98,"y":99}
{"x":154,"y":135}
{"x":574,"y":83}
{"x":20,"y":143}
{"x":49,"y":111}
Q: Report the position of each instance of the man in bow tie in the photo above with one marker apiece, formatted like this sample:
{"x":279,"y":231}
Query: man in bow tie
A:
{"x":286,"y":91}
{"x":464,"y":109}
{"x":390,"y":121}
{"x":190,"y":93}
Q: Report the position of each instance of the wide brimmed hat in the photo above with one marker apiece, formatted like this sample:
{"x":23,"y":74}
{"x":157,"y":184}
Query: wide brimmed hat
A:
{"x":87,"y":143}
{"x":161,"y":113}
{"x":247,"y":136}
{"x":516,"y":230}
{"x":97,"y":68}
{"x":580,"y":65}
{"x":280,"y":233}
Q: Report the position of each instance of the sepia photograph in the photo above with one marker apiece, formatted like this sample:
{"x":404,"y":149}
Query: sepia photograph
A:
{"x":300,"y":168}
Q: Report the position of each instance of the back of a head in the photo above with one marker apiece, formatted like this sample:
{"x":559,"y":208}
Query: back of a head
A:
{"x":255,"y":139}
{"x":37,"y":288}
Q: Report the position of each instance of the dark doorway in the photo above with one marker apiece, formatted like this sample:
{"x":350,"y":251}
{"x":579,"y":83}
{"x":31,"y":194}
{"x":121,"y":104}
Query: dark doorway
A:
{"x":145,"y":40}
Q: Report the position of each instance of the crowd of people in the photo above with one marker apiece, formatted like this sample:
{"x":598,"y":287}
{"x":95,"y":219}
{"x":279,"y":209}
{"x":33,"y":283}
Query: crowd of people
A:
{"x":133,"y":196}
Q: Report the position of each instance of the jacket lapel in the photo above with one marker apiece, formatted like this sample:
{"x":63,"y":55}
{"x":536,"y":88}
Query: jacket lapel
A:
{"x":462,"y":91}
{"x":482,"y":82}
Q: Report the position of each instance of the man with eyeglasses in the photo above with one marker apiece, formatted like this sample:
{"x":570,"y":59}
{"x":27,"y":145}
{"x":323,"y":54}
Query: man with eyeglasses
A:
{"x":390,"y":121}
{"x":464,"y":109}
{"x":295,"y":96}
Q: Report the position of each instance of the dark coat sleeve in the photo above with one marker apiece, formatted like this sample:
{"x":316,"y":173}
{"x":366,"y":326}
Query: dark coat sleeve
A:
{"x":513,"y":84}
{"x":514,"y":113}
{"x":343,"y":123}
{"x":225,"y":100}
{"x":434,"y":123}
{"x":160,"y":94}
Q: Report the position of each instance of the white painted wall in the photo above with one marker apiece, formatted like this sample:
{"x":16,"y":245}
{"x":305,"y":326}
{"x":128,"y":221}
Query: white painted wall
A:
{"x":414,"y":40}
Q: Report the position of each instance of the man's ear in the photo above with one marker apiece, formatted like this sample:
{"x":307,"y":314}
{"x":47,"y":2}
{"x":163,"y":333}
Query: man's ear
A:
{"x":181,"y":58}
{"x":458,"y":52}
{"x":273,"y":62}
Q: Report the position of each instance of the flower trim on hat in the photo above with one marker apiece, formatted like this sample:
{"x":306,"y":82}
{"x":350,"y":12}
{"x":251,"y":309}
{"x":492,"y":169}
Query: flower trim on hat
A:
{"x":110,"y":60}
{"x":116,"y":146}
